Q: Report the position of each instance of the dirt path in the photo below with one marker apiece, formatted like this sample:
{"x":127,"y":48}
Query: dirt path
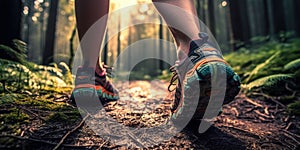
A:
{"x":244,"y":124}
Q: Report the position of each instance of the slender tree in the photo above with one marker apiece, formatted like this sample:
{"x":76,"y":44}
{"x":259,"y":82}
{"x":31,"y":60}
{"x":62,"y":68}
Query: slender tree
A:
{"x":105,"y":49}
{"x":211,"y":15}
{"x":239,"y":18}
{"x":10,"y":15}
{"x":71,"y":42}
{"x":161,"y":47}
{"x":279,"y":21}
{"x":297,"y":12}
{"x":119,"y":40}
{"x":48,"y":55}
{"x":29,"y":4}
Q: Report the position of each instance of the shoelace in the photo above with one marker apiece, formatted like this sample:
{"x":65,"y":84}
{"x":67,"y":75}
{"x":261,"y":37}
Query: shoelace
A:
{"x":173,"y":79}
{"x":108,"y":70}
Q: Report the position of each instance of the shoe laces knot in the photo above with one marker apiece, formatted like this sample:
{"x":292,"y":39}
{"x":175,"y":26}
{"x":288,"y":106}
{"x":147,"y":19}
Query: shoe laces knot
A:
{"x":108,"y":70}
{"x":174,"y":78}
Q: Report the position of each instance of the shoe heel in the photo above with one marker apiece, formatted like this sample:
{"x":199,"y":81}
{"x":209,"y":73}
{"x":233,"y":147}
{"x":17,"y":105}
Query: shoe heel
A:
{"x":87,"y":99}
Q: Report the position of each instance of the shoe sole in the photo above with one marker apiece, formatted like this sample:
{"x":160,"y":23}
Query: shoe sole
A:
{"x":89,"y":99}
{"x":202,"y":79}
{"x":86,"y":99}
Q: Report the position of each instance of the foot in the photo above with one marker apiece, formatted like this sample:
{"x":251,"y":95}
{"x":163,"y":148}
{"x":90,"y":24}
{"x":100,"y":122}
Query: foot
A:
{"x":92,"y":86}
{"x":195,"y":76}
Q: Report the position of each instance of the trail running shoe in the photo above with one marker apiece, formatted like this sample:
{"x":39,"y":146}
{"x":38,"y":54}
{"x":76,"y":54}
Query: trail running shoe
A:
{"x":92,"y":87}
{"x":195,"y":76}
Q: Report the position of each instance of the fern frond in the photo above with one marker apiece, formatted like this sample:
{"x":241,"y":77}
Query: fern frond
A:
{"x":294,"y":108}
{"x":19,"y":46}
{"x":9,"y":53}
{"x":269,"y":81}
{"x":292,"y":66}
{"x":261,"y":66}
{"x":53,"y":70}
{"x":68,"y":74}
{"x":65,"y":66}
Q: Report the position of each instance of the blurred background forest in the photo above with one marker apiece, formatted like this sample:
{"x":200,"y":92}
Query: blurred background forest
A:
{"x":48,"y":26}
{"x":258,"y":38}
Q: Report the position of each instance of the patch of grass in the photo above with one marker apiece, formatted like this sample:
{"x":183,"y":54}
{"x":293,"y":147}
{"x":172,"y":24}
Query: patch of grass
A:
{"x":15,"y":116}
{"x":70,"y":116}
{"x":57,"y":117}
{"x":12,"y":119}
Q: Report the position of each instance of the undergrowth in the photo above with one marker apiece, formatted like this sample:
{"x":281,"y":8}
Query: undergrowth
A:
{"x":271,"y":69}
{"x":29,"y":90}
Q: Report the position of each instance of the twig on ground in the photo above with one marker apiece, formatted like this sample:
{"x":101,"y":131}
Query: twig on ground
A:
{"x":254,"y":103}
{"x":263,"y":115}
{"x":293,"y":134}
{"x":243,"y":130}
{"x":55,"y":131}
{"x":27,"y":139}
{"x":45,"y":142}
{"x":289,"y":136}
{"x":106,"y":141}
{"x":237,"y":114}
{"x":267,"y":111}
{"x":135,"y":139}
{"x":288,"y":126}
{"x":270,"y":98}
{"x":33,"y":113}
{"x":68,"y":133}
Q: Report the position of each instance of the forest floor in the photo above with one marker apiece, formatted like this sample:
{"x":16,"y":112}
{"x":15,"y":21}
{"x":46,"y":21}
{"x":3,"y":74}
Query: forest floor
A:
{"x":246,"y":123}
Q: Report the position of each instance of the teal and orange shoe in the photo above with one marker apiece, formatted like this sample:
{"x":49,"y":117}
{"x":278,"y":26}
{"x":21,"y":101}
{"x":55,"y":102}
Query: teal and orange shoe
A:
{"x":92,"y":88}
{"x":202,"y":77}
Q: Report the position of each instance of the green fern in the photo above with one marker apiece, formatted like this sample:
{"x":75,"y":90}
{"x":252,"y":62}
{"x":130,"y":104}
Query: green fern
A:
{"x":9,"y":53}
{"x":270,"y":82}
{"x":16,"y":51}
{"x":68,"y":77}
{"x":259,"y":67}
{"x":19,"y":46}
{"x":52,"y":70}
{"x":294,"y":108}
{"x":15,"y":76}
{"x":292,"y":66}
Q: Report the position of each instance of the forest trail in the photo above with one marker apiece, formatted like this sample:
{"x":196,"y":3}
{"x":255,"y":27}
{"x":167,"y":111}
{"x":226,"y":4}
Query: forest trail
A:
{"x":246,"y":123}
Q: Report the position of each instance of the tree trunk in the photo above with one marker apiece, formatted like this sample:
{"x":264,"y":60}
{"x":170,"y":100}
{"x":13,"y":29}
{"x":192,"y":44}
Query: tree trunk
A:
{"x":129,"y":47}
{"x":28,"y":21}
{"x":297,"y":12}
{"x":161,"y":48}
{"x":230,"y":31}
{"x":105,"y":49}
{"x":48,"y":55}
{"x":71,"y":42}
{"x":119,"y":41}
{"x":211,"y":14}
{"x":10,"y":15}
{"x":278,"y":12}
{"x":240,"y":22}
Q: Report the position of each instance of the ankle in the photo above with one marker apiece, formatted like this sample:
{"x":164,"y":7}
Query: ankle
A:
{"x":183,"y":49}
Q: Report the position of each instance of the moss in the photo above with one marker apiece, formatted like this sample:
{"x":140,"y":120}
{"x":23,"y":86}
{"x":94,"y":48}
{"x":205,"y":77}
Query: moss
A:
{"x":57,"y":117}
{"x":15,"y":116}
{"x":11,"y":121}
{"x":292,"y":66}
{"x":70,"y":116}
{"x":244,"y":61}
